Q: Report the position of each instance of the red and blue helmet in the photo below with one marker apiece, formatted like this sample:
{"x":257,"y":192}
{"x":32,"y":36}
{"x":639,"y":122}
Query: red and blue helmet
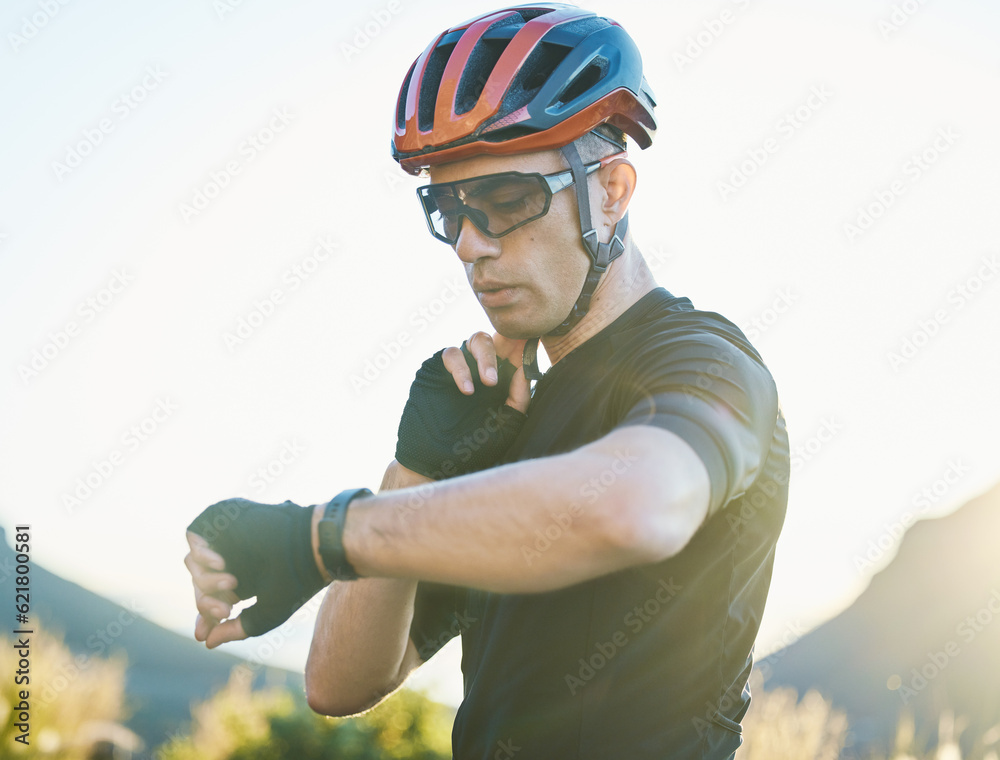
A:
{"x":519,"y":80}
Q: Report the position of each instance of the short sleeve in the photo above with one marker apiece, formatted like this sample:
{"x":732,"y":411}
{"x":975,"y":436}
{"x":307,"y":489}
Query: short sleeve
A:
{"x":712,"y":393}
{"x":434,"y":617}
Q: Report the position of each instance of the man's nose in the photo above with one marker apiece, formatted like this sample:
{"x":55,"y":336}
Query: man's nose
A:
{"x":473,"y":245}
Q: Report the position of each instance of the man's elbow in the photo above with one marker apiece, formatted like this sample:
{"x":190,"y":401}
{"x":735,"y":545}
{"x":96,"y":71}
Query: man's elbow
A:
{"x":322,"y":706}
{"x":333,"y":694}
{"x":322,"y":699}
{"x":325,"y":702}
{"x":323,"y":696}
{"x":644,"y":537}
{"x":653,"y":515}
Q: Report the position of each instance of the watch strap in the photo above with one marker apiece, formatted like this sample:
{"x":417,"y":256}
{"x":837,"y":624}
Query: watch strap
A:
{"x":331,"y":534}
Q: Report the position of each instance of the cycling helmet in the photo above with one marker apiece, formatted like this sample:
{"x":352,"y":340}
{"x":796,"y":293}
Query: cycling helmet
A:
{"x":525,"y":79}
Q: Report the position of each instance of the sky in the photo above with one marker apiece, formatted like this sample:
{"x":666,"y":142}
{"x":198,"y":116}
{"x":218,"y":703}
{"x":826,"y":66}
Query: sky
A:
{"x":214,"y":281}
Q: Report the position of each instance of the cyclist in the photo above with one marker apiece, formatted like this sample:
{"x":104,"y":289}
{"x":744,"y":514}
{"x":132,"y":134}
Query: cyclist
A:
{"x":602,"y":542}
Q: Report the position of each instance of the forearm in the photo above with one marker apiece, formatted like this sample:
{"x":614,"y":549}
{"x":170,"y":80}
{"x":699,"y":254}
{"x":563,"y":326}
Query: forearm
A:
{"x":634,"y":496}
{"x":360,"y":649}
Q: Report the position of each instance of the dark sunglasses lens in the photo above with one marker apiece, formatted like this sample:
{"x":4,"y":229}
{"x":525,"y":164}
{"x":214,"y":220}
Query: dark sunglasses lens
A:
{"x":494,"y":204}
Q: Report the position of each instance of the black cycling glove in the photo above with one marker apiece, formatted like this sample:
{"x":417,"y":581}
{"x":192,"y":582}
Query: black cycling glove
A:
{"x":444,"y":433}
{"x":268,"y":547}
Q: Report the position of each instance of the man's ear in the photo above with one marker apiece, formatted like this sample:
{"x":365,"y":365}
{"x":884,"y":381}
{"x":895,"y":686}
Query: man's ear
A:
{"x":619,"y":184}
{"x":608,"y":206}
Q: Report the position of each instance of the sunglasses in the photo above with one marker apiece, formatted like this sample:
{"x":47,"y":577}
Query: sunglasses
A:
{"x":495,"y":203}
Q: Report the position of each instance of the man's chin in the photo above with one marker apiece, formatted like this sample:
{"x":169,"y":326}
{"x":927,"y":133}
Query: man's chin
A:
{"x":523,"y":319}
{"x":516,"y":329}
{"x":511,"y":334}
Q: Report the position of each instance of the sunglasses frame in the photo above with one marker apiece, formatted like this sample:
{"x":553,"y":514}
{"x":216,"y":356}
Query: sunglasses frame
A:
{"x":551,"y":184}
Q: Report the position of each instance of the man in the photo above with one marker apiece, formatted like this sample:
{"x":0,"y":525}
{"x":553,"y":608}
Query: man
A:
{"x":603,"y":542}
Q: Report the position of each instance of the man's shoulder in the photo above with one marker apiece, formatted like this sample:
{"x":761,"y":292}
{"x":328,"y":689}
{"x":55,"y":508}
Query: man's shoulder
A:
{"x":669,"y":321}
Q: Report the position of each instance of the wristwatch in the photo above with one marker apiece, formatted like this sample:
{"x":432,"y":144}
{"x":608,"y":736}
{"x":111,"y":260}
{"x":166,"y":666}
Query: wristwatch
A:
{"x":331,"y":534}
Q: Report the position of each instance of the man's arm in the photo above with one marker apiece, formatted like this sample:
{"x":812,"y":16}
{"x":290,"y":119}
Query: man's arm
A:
{"x":361,"y":649}
{"x":635,"y":496}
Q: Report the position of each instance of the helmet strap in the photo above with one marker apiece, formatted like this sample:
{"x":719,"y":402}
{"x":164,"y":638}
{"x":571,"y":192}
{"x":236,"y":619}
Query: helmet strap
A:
{"x":529,"y":360}
{"x":601,"y":256}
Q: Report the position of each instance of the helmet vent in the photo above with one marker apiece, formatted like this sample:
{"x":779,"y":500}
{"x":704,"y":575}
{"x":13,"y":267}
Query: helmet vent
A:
{"x":483,"y":59}
{"x":529,"y":13}
{"x":507,"y":133}
{"x":430,"y":85}
{"x":401,"y":105}
{"x":586,"y":79}
{"x":535,"y":72}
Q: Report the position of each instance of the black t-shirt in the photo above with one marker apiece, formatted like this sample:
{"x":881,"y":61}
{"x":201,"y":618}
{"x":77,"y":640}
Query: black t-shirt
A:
{"x":651,"y":661}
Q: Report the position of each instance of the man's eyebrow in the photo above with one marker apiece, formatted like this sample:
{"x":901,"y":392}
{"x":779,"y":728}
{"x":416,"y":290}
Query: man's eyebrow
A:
{"x":484,"y":186}
{"x":494,"y":183}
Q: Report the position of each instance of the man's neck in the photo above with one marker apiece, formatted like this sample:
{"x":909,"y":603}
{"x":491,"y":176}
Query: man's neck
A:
{"x":626,"y":281}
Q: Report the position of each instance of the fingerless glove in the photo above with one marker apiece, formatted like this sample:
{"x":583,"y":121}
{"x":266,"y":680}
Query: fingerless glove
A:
{"x":268,"y":547}
{"x":444,"y":433}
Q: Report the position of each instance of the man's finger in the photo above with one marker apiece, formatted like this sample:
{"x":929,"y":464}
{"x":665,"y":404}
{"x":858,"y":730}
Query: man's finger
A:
{"x":208,"y":581}
{"x":203,"y":626}
{"x":454,"y":362}
{"x":519,"y":395}
{"x":212,"y":605}
{"x":481,"y":347}
{"x":203,"y":553}
{"x":213,"y":608}
{"x":231,"y":630}
{"x":511,"y":349}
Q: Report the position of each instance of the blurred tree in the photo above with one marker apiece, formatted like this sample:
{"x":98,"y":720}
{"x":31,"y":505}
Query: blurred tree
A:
{"x":780,"y":727}
{"x":240,"y":724}
{"x":75,"y":702}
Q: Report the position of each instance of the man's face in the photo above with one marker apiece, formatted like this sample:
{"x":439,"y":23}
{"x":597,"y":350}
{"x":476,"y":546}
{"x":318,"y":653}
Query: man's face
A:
{"x":528,"y":280}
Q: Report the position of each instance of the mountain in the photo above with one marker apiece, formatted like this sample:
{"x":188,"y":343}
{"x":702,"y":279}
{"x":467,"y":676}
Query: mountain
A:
{"x":923,"y":637}
{"x":166,"y":671}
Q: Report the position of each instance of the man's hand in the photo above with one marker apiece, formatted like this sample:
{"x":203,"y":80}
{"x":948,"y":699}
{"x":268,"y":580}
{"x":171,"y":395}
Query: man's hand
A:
{"x":213,"y":594}
{"x":268,"y":551}
{"x":486,"y":351}
{"x":464,"y":410}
